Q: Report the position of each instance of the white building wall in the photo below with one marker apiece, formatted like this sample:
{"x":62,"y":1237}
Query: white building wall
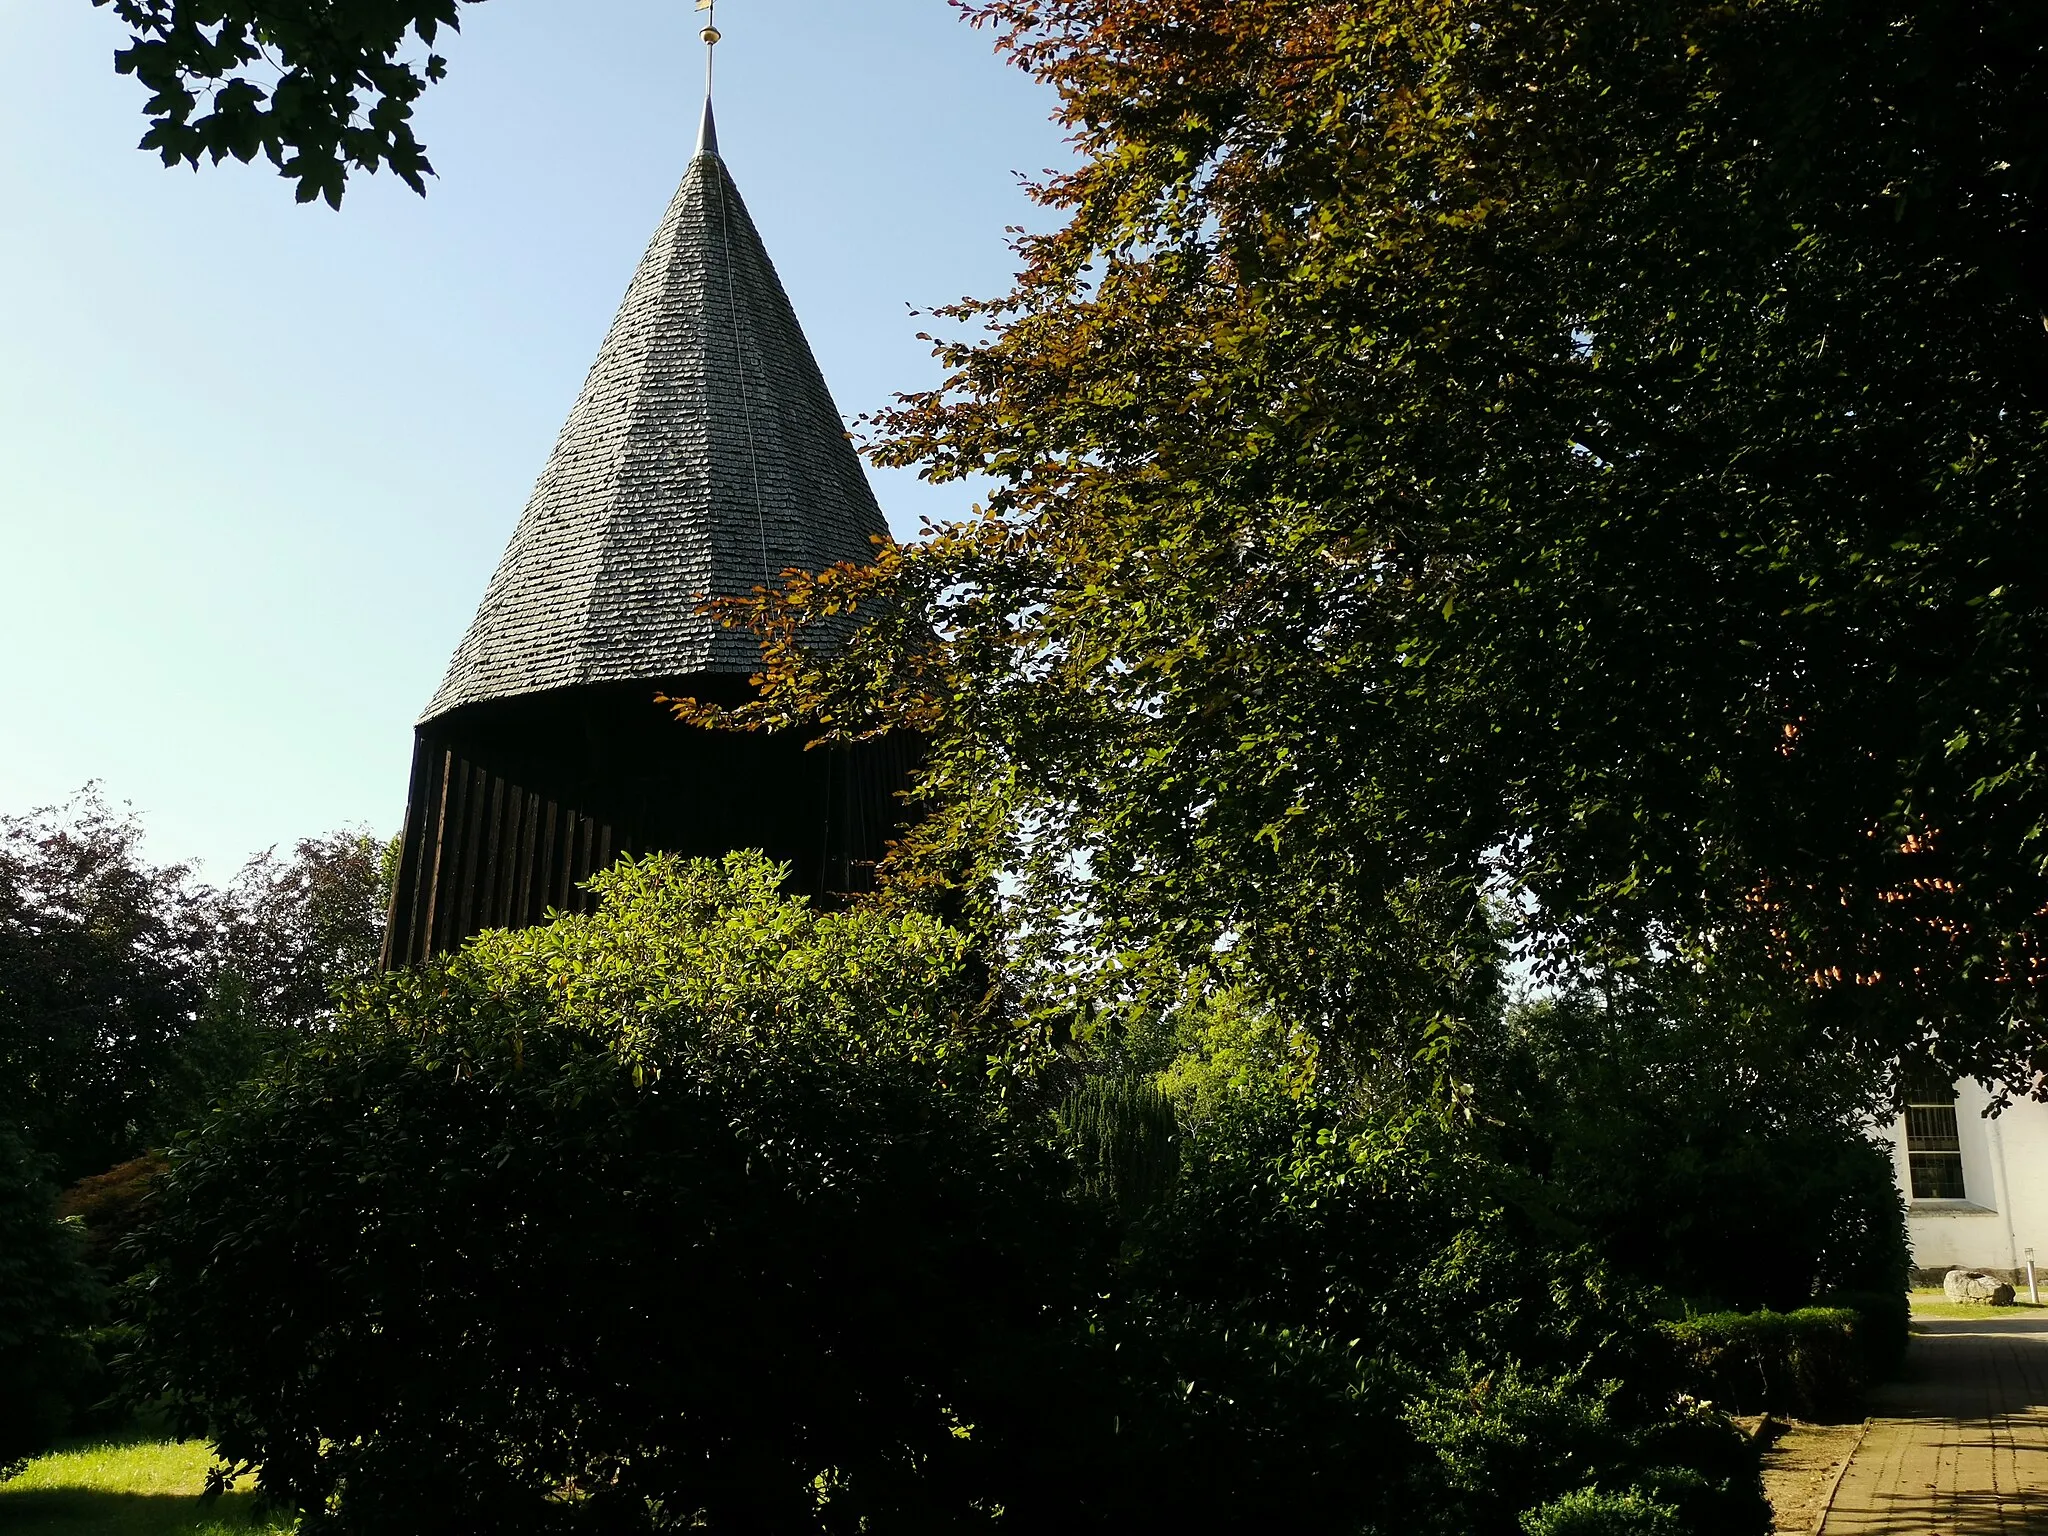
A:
{"x":2005,"y":1181}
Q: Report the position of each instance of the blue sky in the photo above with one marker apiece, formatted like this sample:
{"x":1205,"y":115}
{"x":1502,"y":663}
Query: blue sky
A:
{"x":257,"y":460}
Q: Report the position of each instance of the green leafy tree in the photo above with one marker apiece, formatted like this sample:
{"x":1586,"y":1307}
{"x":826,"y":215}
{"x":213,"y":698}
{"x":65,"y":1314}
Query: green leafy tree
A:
{"x":290,"y":937}
{"x":1715,"y":1152}
{"x":1460,"y":463}
{"x":102,"y":971}
{"x":320,"y":88}
{"x":298,"y":930}
{"x":132,"y":995}
{"x":47,"y":1297}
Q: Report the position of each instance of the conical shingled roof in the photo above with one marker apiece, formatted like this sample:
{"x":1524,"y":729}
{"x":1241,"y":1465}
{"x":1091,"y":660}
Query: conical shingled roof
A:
{"x":703,"y":457}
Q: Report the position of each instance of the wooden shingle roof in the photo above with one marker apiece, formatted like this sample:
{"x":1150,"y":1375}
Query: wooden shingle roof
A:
{"x":703,"y":457}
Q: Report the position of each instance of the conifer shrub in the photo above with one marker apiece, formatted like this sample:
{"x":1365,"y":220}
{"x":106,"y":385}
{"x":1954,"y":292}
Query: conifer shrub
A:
{"x":1123,"y":1137}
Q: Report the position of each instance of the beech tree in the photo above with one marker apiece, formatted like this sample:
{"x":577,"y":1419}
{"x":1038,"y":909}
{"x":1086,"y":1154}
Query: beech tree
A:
{"x":101,"y":977}
{"x":1465,"y":470}
{"x":321,"y":88}
{"x":132,"y":995}
{"x":1459,"y":466}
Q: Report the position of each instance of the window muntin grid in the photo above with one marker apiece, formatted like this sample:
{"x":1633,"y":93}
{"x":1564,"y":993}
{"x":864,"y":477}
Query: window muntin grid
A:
{"x":1934,"y":1143}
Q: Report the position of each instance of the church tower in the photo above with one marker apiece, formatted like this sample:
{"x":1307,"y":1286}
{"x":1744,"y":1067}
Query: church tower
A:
{"x":703,"y":457}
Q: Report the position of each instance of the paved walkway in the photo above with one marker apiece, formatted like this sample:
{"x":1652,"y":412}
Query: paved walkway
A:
{"x":1959,"y":1448}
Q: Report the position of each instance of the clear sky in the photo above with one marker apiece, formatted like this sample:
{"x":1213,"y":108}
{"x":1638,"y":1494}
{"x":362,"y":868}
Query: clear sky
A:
{"x":257,"y":460}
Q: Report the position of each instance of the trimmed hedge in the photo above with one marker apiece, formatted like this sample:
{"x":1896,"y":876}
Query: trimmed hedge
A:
{"x":1883,"y":1325}
{"x":1809,"y":1364}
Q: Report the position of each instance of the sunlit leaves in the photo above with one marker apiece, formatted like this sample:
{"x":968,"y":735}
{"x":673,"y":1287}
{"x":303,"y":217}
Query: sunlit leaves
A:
{"x":320,"y":88}
{"x":1459,"y":464}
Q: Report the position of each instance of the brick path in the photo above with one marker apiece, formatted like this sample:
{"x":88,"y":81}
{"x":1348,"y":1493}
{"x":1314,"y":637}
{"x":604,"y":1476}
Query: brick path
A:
{"x":1960,"y":1448}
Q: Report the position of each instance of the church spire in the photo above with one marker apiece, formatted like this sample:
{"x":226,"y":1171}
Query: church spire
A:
{"x":703,"y":457}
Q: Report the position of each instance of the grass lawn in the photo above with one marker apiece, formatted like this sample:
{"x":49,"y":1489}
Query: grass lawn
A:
{"x":1935,"y":1303}
{"x":138,"y":1488}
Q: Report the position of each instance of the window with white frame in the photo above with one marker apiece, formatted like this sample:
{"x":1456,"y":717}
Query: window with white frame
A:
{"x":1934,"y":1144}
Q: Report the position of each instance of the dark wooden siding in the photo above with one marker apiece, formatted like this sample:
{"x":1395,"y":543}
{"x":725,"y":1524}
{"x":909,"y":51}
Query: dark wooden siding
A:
{"x":513,"y":807}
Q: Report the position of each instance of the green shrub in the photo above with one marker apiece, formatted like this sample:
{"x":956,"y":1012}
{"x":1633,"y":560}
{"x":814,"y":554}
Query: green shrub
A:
{"x":1883,"y":1326}
{"x":1807,"y":1364}
{"x":1590,"y":1512}
{"x":1468,"y":1369}
{"x":700,"y":1207}
{"x":705,"y":1210}
{"x":1699,"y":1144}
{"x":47,"y":1298}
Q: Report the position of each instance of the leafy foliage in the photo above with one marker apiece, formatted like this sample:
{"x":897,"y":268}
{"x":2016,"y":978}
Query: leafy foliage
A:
{"x":101,"y":974}
{"x":1589,"y":1512}
{"x":708,"y":1208}
{"x":1806,"y":1364}
{"x":1368,"y":1325}
{"x":131,"y":994}
{"x":319,"y":87}
{"x":47,"y":1296}
{"x":109,"y":1211}
{"x":1715,"y":1151}
{"x":698,"y":1203}
{"x":1471,"y":463}
{"x":295,"y":930}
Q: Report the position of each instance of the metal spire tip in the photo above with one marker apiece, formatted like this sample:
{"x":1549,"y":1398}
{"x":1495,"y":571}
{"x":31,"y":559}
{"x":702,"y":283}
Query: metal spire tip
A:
{"x":707,"y":127}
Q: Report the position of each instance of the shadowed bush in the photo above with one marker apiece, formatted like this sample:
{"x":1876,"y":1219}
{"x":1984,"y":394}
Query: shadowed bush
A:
{"x":701,"y":1204}
{"x":47,"y":1298}
{"x":705,"y":1210}
{"x":1809,"y":1364}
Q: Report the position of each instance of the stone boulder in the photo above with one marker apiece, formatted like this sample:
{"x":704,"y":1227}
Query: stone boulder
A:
{"x":1974,"y":1285}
